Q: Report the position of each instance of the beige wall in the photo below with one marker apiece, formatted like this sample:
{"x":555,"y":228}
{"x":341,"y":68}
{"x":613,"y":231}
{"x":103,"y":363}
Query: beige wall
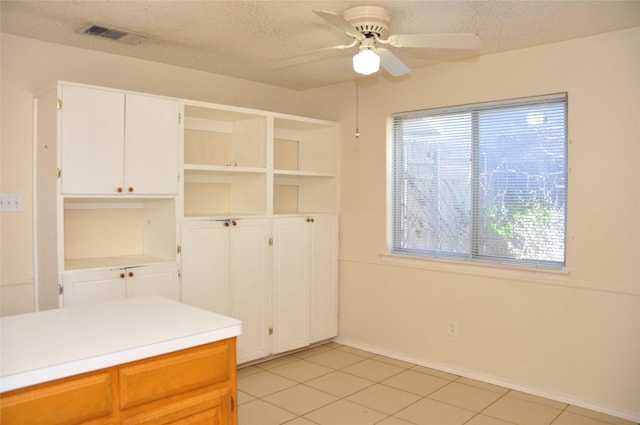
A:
{"x":30,"y":65}
{"x":572,"y":336}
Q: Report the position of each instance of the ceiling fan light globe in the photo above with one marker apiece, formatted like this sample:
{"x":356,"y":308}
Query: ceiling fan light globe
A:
{"x":366,"y":62}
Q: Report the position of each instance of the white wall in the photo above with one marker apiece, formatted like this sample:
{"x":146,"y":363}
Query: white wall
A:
{"x":27,"y":66}
{"x":574,"y":337}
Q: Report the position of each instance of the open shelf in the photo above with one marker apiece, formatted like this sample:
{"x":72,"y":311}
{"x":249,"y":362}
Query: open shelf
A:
{"x":113,"y":232}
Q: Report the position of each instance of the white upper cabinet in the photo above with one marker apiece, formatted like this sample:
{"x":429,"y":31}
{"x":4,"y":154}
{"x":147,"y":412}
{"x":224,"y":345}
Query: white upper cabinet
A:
{"x":152,"y":134}
{"x":92,"y":148}
{"x":118,"y":143}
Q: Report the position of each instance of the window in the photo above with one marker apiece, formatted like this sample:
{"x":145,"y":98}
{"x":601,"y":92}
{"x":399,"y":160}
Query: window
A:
{"x":484,"y":182}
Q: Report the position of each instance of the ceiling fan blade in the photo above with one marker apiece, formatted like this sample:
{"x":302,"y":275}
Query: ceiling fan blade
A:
{"x":436,"y":41}
{"x":392,"y":63}
{"x":339,"y":22}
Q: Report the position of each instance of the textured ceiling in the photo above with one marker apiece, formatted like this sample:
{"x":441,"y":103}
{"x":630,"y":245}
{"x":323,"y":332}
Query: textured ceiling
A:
{"x":272,"y":41}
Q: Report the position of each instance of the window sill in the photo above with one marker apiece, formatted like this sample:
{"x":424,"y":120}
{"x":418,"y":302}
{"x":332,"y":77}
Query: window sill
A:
{"x":545,"y":276}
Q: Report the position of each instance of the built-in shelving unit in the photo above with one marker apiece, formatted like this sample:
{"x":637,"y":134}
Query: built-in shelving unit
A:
{"x":224,"y":161}
{"x":304,"y":166}
{"x":230,"y":209}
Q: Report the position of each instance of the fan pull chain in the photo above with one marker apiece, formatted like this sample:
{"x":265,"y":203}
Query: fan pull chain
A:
{"x":357,"y":134}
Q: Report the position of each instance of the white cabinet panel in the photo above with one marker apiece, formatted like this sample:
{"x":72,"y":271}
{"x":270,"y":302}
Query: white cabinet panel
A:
{"x":151,"y":145}
{"x":290,"y":284}
{"x":94,"y":286}
{"x":250,"y":266}
{"x":90,"y":287}
{"x":225,"y":270}
{"x":118,"y":143}
{"x":323,"y":278}
{"x":161,"y":279}
{"x":205,"y":265}
{"x":92,"y":131}
{"x":305,"y":281}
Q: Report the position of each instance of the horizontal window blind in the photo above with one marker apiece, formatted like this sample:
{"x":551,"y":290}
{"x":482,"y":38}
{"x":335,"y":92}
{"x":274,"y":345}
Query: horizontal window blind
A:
{"x":485,"y":182}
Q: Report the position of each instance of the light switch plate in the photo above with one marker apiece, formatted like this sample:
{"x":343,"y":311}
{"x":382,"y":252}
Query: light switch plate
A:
{"x":11,"y":202}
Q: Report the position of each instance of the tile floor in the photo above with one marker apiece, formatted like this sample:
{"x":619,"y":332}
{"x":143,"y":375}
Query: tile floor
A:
{"x":333,"y":384}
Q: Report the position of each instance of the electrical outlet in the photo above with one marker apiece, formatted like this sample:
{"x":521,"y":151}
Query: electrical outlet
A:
{"x":11,"y":202}
{"x":453,"y":328}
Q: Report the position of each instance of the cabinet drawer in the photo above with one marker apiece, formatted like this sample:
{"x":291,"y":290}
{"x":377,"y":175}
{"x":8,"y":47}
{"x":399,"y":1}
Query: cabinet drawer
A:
{"x":211,"y":407}
{"x":69,"y":402}
{"x":174,"y":373}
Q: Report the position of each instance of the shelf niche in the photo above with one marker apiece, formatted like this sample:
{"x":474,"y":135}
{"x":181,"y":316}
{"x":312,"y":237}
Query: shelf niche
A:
{"x":115,"y":233}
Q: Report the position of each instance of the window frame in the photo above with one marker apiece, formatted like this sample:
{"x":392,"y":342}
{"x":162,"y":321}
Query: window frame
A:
{"x":472,"y":257}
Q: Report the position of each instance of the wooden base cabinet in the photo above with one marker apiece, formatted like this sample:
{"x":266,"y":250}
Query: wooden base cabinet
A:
{"x":193,"y":386}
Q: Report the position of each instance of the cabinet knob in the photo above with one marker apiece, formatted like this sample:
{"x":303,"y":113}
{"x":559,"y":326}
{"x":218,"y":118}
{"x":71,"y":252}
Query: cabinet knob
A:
{"x":119,"y":190}
{"x":226,"y":223}
{"x":121,"y":275}
{"x":130,"y":189}
{"x":310,"y":220}
{"x":234,"y":222}
{"x":130,"y":274}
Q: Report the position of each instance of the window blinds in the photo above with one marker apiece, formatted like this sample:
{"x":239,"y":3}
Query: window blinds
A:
{"x":484,"y":181}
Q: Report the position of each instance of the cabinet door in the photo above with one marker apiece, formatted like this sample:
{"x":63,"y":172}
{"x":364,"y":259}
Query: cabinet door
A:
{"x":151,"y":145}
{"x":323,"y":278}
{"x":89,"y":287}
{"x":205,"y":265}
{"x":92,"y":140}
{"x":290,"y":284}
{"x":249,"y":257}
{"x":157,"y":279}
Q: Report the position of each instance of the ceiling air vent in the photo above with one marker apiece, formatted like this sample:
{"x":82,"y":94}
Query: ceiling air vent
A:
{"x":114,"y":34}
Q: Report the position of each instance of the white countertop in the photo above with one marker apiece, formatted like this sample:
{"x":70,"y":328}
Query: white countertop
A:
{"x":52,"y":344}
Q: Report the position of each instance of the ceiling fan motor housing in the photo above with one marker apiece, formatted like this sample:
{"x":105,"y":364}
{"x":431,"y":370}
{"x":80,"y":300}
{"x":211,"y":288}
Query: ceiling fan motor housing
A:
{"x":368,"y":19}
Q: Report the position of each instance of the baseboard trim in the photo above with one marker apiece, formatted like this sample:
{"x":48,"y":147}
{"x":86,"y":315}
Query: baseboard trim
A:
{"x":490,"y":380}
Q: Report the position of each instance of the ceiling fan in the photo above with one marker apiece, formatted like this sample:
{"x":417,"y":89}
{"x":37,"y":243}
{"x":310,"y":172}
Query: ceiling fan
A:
{"x":369,"y":25}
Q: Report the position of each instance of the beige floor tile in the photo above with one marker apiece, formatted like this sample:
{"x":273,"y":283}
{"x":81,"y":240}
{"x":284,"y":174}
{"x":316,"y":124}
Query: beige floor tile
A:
{"x":339,"y":383}
{"x":311,"y":351}
{"x":395,"y":362}
{"x":277,"y":362}
{"x":264,"y":383}
{"x":373,"y":370}
{"x":416,"y":382}
{"x":300,"y":399}
{"x":486,"y":420}
{"x":568,"y":418}
{"x":383,"y":398}
{"x":539,"y":400}
{"x":600,"y":416}
{"x":244,"y":397}
{"x":431,"y":412}
{"x":248,"y":370}
{"x":258,"y":412}
{"x":299,"y":421}
{"x":522,"y":412}
{"x":485,"y":386}
{"x":356,"y":351}
{"x":435,"y":372}
{"x":344,"y":412}
{"x":392,"y":420}
{"x":465,"y":396}
{"x":335,"y":359}
{"x":301,"y":370}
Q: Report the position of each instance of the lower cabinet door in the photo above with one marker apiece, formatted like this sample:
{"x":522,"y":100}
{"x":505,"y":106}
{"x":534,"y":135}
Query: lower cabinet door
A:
{"x":58,"y":403}
{"x":90,"y":287}
{"x":212,"y":407}
{"x":155,"y":279}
